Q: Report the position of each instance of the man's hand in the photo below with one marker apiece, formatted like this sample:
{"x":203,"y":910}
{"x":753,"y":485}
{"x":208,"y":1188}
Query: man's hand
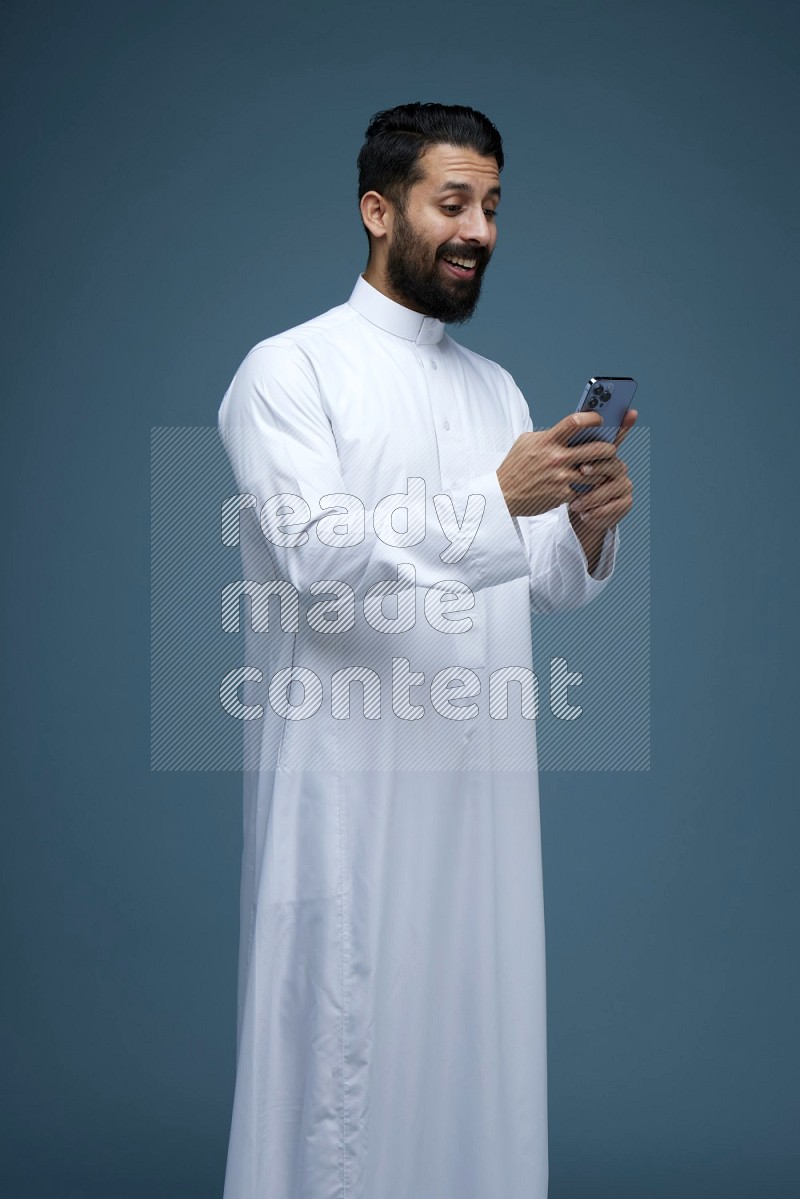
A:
{"x":611,"y":496}
{"x":536,"y":474}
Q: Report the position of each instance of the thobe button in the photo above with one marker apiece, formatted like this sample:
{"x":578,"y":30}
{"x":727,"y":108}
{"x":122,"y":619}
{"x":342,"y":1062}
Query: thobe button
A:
{"x":447,"y":424}
{"x":433,"y":365}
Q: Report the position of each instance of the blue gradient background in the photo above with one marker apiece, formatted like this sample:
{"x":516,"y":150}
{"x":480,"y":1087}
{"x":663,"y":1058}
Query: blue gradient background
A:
{"x":179,"y":182}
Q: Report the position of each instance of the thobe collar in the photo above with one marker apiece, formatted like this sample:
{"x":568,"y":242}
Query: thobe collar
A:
{"x":387,"y":314}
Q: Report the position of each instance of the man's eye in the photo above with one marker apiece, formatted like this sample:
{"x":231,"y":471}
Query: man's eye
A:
{"x":490,"y":212}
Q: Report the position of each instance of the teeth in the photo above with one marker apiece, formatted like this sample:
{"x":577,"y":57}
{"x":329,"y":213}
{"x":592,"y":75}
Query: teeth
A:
{"x":468,"y":262}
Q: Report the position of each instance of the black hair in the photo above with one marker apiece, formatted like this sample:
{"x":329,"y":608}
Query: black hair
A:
{"x":388,"y":162}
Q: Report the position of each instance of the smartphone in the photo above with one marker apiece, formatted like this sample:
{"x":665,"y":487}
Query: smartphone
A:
{"x":611,"y":397}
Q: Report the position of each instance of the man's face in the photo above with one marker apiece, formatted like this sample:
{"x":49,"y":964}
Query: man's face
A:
{"x":450,"y":214}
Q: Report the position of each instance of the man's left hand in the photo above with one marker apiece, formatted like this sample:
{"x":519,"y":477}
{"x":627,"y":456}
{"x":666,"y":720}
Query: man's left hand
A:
{"x":610,"y":499}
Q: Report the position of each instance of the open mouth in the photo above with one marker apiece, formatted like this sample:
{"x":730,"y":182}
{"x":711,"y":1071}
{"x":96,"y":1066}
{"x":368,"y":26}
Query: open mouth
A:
{"x":463,"y":268}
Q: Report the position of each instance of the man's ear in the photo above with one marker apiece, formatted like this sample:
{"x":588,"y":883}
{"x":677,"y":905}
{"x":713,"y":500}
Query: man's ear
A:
{"x":376,"y":213}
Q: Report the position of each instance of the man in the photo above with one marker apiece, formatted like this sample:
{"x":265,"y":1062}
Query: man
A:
{"x":396,"y":503}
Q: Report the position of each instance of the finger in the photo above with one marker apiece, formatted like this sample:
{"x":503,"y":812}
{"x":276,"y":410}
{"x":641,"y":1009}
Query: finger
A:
{"x":603,"y":492}
{"x":589,"y":451}
{"x":606,"y":515}
{"x":628,"y":421}
{"x":573,"y":424}
{"x":603,"y":468}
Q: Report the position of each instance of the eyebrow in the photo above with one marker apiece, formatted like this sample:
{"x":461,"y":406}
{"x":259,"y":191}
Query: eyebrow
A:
{"x":454,"y":186}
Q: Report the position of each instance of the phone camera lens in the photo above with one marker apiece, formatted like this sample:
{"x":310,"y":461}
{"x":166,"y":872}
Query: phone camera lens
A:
{"x":606,"y":395}
{"x":593,"y":402}
{"x":598,"y":390}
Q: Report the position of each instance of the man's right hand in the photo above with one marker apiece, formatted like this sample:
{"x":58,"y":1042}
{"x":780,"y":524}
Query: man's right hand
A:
{"x":536,"y":474}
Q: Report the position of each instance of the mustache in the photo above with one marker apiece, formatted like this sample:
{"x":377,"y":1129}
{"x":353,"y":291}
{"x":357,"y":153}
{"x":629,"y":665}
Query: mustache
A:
{"x":479,"y":253}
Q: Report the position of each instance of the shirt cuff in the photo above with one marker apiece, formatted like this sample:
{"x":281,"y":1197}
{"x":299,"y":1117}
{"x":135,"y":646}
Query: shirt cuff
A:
{"x":608,"y":551}
{"x":499,"y":547}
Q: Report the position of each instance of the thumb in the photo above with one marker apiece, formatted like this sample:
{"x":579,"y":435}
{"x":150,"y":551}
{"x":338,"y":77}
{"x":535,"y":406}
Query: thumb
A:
{"x":628,"y":421}
{"x":572,"y":424}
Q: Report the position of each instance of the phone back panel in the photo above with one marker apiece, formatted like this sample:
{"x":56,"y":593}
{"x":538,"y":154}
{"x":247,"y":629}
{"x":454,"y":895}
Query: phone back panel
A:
{"x":611,"y":397}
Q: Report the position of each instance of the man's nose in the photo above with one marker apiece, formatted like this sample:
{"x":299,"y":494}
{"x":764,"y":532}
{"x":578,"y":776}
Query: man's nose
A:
{"x":475,"y":226}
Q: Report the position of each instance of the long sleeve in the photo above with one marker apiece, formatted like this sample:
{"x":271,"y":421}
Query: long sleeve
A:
{"x":283,"y":453}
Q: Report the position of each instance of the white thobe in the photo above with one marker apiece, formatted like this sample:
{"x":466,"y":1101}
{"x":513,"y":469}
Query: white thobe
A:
{"x":391,"y":1010}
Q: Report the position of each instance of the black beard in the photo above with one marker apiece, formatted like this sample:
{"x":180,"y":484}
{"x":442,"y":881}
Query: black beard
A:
{"x":421,"y":283}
